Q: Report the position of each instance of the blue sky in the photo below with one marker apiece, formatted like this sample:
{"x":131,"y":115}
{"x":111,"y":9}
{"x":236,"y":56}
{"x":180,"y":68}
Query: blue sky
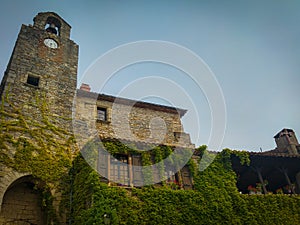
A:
{"x":252,"y":47}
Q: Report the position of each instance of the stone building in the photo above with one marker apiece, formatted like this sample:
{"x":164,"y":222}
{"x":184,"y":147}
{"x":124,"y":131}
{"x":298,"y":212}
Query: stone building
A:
{"x":132,"y":123}
{"x":275,"y":171}
{"x":43,"y":67}
{"x":44,"y":60}
{"x":126,"y":119}
{"x":287,"y":142}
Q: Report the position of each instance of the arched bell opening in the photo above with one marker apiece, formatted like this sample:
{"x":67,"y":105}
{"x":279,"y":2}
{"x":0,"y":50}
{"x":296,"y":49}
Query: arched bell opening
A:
{"x":22,"y":203}
{"x":53,"y":25}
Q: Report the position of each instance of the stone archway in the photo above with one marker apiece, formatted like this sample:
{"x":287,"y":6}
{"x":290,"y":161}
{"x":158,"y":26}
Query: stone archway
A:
{"x":22,"y":204}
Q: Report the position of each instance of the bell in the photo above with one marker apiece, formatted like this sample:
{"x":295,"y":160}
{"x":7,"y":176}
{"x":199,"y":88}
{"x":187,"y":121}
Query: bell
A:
{"x":52,"y":28}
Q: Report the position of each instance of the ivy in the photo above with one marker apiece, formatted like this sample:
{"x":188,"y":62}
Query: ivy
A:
{"x":215,"y":199}
{"x":242,"y":155}
{"x":29,"y":143}
{"x":32,"y":140}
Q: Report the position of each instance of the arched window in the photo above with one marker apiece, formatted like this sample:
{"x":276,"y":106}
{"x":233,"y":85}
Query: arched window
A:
{"x":53,"y":25}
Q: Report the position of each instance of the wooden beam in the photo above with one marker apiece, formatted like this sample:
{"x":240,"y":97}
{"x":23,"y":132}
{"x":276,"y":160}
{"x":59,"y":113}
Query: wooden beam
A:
{"x":108,"y":169}
{"x":130,"y":171}
{"x":284,"y":171}
{"x":261,"y":180}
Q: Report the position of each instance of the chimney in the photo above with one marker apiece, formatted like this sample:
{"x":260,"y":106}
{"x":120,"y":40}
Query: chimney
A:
{"x":85,"y":87}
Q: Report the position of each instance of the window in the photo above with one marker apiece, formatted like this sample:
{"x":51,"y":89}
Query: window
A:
{"x":119,"y":169}
{"x":101,"y":114}
{"x":32,"y":80}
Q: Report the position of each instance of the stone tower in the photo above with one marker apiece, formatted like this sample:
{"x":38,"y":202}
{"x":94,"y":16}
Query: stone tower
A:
{"x":44,"y":60}
{"x":42,"y":68}
{"x":287,"y":142}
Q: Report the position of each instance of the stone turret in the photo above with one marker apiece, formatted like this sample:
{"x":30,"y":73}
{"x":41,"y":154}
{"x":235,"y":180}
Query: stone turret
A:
{"x":287,"y":142}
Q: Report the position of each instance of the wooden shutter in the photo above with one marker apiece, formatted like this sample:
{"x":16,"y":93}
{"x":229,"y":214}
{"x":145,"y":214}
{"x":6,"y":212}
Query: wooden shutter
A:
{"x":186,"y":178}
{"x":155,"y":172}
{"x":137,"y":170}
{"x":103,"y":164}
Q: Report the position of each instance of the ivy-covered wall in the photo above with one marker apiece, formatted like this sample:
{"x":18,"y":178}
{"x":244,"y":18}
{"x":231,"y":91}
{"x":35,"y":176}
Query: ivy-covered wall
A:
{"x":215,"y":200}
{"x":33,"y":143}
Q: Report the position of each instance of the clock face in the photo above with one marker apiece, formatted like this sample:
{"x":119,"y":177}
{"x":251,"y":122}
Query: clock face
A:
{"x":50,"y":43}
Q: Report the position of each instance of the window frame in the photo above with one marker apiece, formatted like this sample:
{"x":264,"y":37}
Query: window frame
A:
{"x":119,"y":171}
{"x":33,"y":81}
{"x":103,"y":109}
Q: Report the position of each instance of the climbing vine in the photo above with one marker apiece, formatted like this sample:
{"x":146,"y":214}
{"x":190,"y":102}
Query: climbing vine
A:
{"x":31,"y":137}
{"x":28,"y":143}
{"x":160,"y":155}
{"x":215,"y":200}
{"x":33,"y":141}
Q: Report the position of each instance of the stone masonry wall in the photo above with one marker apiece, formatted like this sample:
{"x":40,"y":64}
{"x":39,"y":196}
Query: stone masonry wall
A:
{"x":22,"y":206}
{"x":130,"y":122}
{"x":55,"y":68}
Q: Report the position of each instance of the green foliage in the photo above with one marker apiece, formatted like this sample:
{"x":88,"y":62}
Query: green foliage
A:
{"x":147,"y":173}
{"x":200,"y":150}
{"x":29,"y":143}
{"x":33,"y":141}
{"x":215,"y":200}
{"x":242,"y":155}
{"x":160,"y":155}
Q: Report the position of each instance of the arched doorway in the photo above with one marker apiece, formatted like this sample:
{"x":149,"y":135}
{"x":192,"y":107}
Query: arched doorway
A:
{"x":22,"y":204}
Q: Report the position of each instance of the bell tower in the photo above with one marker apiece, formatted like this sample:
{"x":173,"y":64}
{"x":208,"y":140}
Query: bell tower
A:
{"x":44,"y":61}
{"x":38,"y":89}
